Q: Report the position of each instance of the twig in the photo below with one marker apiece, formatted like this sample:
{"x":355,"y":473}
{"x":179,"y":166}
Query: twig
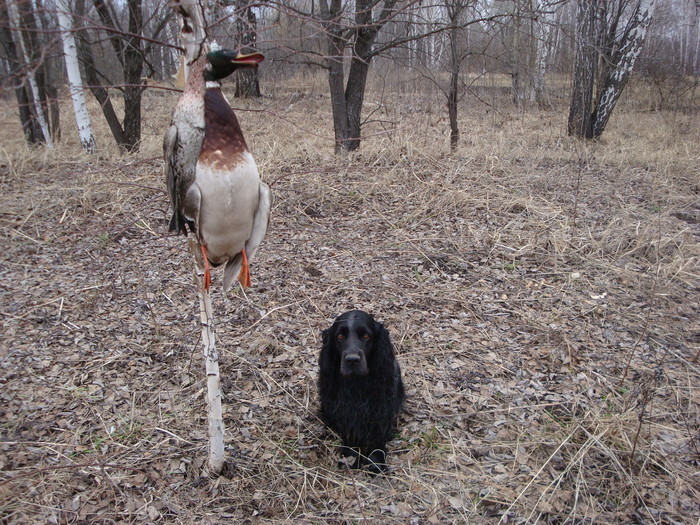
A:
{"x":172,"y":435}
{"x":651,"y":306}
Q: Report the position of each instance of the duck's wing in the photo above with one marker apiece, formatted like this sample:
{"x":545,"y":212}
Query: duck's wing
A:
{"x":180,"y":166}
{"x":260,"y":222}
{"x":261,"y":219}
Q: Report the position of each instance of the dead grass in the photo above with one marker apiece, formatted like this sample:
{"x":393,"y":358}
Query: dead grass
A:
{"x":542,"y":295}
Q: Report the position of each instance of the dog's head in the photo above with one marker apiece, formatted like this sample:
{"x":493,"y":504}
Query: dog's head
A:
{"x":352,"y":337}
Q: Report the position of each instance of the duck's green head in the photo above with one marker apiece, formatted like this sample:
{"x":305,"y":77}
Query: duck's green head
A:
{"x":223,"y":62}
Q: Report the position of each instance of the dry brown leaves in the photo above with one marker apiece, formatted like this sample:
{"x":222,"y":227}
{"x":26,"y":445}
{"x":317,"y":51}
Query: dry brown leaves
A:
{"x":543,"y":299}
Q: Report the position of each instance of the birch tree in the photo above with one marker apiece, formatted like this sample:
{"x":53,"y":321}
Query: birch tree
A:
{"x":126,"y":32}
{"x":15,"y":65}
{"x":610,"y":36}
{"x":13,"y":12}
{"x":544,"y":31}
{"x":247,"y":82}
{"x":82,"y":117}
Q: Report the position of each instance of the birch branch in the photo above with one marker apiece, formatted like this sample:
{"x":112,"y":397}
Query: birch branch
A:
{"x":211,"y":358}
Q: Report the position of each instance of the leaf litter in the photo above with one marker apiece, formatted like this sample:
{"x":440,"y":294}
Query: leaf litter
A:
{"x":544,"y":311}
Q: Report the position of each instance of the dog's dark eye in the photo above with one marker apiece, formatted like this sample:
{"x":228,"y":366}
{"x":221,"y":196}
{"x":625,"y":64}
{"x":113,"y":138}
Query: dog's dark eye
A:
{"x":365,"y":336}
{"x":340,"y":337}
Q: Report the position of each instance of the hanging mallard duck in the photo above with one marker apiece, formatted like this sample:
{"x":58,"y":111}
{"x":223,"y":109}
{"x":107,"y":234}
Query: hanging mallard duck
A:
{"x":214,"y":185}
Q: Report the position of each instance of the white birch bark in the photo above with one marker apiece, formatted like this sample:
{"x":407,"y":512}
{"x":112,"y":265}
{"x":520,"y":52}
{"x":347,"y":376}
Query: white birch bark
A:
{"x":82,"y":117}
{"x":211,"y":361}
{"x":696,"y":62}
{"x":193,"y":37}
{"x":41,"y":118}
{"x":544,"y":26}
{"x":192,"y":30}
{"x":623,"y":62}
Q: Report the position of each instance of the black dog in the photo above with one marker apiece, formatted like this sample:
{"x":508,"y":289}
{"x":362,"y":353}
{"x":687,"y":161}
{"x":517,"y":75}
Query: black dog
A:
{"x":360,"y":387}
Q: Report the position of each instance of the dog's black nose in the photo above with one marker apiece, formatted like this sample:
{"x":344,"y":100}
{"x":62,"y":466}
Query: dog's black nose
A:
{"x":352,"y":359}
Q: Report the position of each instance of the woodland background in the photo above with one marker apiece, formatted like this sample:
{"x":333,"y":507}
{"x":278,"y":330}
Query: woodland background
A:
{"x":541,"y":288}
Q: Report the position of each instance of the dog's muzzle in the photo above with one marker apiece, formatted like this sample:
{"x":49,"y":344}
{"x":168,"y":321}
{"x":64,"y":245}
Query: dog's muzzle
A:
{"x":354,"y":365}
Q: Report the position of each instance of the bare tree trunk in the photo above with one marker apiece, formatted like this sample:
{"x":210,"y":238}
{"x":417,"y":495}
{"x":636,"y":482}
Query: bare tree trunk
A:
{"x":247,"y":82}
{"x":336,"y":71}
{"x":346,"y":102}
{"x":30,"y":76}
{"x":605,"y":57}
{"x":82,"y":117}
{"x":455,"y":13}
{"x":49,"y":75}
{"x":31,"y":132}
{"x":622,"y":63}
{"x":99,"y":92}
{"x":452,"y":99}
{"x":457,"y":49}
{"x":133,"y":68}
{"x":129,"y":51}
{"x":355,"y":93}
{"x":585,"y":68}
{"x":544,"y":28}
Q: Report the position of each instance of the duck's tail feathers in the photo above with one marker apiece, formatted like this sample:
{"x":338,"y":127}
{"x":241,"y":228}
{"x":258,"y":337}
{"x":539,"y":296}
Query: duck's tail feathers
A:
{"x":231,"y":271}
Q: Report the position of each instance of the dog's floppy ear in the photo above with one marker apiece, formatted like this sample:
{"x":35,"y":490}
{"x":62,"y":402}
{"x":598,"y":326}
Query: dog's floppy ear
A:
{"x":383,"y":349}
{"x":328,"y":359}
{"x":378,"y":327}
{"x":381,"y":335}
{"x":328,"y":339}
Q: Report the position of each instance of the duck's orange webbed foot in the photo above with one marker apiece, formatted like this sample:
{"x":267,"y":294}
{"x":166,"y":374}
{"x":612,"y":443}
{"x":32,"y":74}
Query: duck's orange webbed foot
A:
{"x":244,"y":276}
{"x":207,"y":269}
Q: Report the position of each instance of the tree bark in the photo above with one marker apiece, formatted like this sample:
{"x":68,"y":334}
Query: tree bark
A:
{"x":347,"y":97}
{"x":50,"y":73}
{"x":133,"y":68}
{"x":456,"y":10}
{"x":247,"y":82}
{"x":82,"y":117}
{"x":605,"y":57}
{"x":30,"y":77}
{"x":622,"y":63}
{"x":579,"y":122}
{"x":31,"y":132}
{"x":335,"y":52}
{"x":211,"y":364}
{"x":452,"y":99}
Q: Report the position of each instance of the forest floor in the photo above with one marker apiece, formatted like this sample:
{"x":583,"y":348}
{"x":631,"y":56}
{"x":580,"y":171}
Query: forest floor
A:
{"x":543,"y":296}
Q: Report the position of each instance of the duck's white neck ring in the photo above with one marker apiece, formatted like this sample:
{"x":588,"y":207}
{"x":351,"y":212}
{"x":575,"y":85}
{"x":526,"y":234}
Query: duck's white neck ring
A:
{"x":212,"y":84}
